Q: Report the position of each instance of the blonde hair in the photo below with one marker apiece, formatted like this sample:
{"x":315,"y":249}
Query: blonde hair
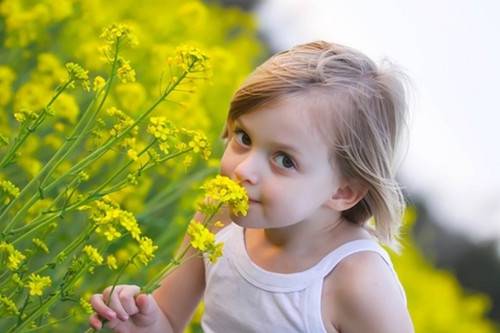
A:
{"x":367,"y":119}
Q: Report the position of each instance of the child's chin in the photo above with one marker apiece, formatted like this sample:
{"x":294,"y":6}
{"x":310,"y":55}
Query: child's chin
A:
{"x":245,"y":221}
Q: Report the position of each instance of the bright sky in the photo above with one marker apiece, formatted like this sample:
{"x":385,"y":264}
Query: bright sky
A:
{"x":451,"y":51}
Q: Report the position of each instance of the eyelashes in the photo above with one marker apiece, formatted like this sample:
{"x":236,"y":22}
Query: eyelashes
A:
{"x":280,"y":158}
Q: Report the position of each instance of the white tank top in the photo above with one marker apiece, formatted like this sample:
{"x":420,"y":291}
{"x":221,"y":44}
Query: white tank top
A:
{"x":241,"y":297}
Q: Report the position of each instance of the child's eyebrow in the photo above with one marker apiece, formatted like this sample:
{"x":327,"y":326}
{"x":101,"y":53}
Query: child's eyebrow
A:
{"x":277,"y":144}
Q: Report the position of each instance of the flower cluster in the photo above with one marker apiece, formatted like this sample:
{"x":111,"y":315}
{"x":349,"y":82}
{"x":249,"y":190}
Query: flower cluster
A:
{"x":190,"y":59}
{"x":109,"y":217}
{"x":146,"y":250}
{"x":93,"y":254}
{"x":203,"y":240}
{"x":114,"y":32}
{"x":9,"y":305}
{"x":223,"y":190}
{"x":98,"y":84}
{"x":123,"y":121}
{"x":37,"y":284}
{"x":9,"y":190}
{"x":78,"y":74}
{"x":199,"y":143}
{"x":14,"y":257}
{"x":125,"y":72}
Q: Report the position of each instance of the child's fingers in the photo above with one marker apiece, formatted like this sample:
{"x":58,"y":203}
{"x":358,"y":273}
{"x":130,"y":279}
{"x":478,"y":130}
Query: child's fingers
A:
{"x":114,"y":302}
{"x":95,"y":322}
{"x":127,"y":299}
{"x":97,"y":302}
{"x":146,"y":304}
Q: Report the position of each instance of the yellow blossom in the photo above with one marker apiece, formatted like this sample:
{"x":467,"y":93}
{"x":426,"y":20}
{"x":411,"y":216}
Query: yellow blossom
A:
{"x":40,"y":244}
{"x":10,"y":191}
{"x":9,"y":305}
{"x":111,"y":262}
{"x":93,"y":254}
{"x":203,"y":240}
{"x":125,"y":72}
{"x":99,"y":83}
{"x":86,"y":306}
{"x":132,"y":154}
{"x":37,"y":284}
{"x":224,"y":190}
{"x":14,"y":257}
{"x":116,"y":31}
{"x":79,"y":75}
{"x":147,"y":249}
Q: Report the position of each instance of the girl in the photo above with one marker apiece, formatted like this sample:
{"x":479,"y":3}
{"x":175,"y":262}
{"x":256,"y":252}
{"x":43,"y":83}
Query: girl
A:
{"x":312,"y":135}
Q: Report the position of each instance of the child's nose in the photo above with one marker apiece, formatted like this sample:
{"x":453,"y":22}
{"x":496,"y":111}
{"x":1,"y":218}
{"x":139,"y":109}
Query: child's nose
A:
{"x":247,"y":170}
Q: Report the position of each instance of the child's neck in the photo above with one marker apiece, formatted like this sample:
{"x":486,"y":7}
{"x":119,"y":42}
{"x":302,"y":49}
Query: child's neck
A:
{"x":298,"y":247}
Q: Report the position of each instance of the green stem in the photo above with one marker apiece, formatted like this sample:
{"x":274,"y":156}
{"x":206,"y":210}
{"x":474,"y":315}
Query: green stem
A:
{"x":43,"y":308}
{"x":79,"y":132}
{"x":18,"y":141}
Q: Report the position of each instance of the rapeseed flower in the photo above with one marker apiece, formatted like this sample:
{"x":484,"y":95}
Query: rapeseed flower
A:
{"x":111,"y":262}
{"x":203,"y":240}
{"x":93,"y":254}
{"x":117,"y":31}
{"x":146,"y":250}
{"x":40,"y":244}
{"x":99,"y":83}
{"x":223,"y":190}
{"x":9,"y":305}
{"x":79,"y":75}
{"x":37,"y":284}
{"x":10,"y":191}
{"x":14,"y":257}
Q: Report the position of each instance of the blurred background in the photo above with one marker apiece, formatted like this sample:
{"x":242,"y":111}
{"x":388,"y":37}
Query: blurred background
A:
{"x":450,"y":265}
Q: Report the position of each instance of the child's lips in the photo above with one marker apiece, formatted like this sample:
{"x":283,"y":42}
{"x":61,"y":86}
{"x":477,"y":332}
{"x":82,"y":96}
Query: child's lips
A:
{"x":252,"y":201}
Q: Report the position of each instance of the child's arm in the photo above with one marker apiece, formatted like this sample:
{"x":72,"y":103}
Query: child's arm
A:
{"x":181,"y":291}
{"x":366,"y":297}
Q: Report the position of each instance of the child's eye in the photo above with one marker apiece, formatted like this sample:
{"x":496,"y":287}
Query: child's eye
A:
{"x":242,"y":137}
{"x":284,"y":161}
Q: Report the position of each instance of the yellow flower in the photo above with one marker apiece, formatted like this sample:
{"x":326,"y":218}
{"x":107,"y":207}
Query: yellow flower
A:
{"x":11,"y":191}
{"x":191,"y":59}
{"x":37,"y":284}
{"x":9,"y":305}
{"x":199,"y":143}
{"x":132,"y":154}
{"x":147,"y":249}
{"x":223,"y":190}
{"x":204,"y":241}
{"x":79,"y":75}
{"x":160,"y":128}
{"x":93,"y":254}
{"x":115,"y":32}
{"x":86,"y":306}
{"x":99,"y":83}
{"x":40,"y":244}
{"x":108,"y":231}
{"x":111,"y":262}
{"x":125,"y":72}
{"x":14,"y":257}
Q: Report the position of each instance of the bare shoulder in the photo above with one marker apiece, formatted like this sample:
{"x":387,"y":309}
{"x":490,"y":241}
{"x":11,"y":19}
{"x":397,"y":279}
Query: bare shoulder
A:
{"x":362,"y":295}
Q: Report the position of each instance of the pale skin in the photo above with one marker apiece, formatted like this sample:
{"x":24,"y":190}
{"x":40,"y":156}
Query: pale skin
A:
{"x":294,"y":220}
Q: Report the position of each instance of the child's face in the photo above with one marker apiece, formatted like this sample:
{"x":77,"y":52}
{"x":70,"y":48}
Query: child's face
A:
{"x":279,"y":157}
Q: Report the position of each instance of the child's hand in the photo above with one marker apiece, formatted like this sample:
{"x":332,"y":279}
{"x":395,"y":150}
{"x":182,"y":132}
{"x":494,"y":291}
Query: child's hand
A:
{"x":128,"y":311}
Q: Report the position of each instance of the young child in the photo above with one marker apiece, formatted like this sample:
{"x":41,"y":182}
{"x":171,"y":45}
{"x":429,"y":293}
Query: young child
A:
{"x":312,"y":135}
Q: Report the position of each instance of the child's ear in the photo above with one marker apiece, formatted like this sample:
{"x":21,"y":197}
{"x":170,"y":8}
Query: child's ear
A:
{"x":347,"y":195}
